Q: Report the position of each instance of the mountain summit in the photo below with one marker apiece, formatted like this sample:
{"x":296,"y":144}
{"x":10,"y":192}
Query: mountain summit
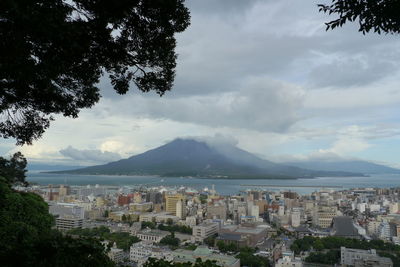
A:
{"x":188,"y":157}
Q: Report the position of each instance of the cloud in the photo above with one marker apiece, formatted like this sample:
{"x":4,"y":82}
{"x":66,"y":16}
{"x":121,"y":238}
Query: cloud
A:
{"x":260,"y":104}
{"x":347,"y":72}
{"x":89,"y":155}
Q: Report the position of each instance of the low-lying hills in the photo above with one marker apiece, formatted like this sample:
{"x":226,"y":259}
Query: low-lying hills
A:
{"x":188,"y":157}
{"x":358,"y":166}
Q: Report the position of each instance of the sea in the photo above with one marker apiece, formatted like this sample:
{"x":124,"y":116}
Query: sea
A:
{"x":222,"y":186}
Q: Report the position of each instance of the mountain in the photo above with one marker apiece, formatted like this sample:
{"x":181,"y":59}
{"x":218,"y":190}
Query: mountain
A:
{"x":187,"y":157}
{"x":359,"y":166}
{"x":42,"y":167}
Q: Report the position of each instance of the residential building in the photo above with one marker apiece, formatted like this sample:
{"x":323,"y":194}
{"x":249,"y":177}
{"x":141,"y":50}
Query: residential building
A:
{"x":150,"y":236}
{"x":203,"y":253}
{"x":349,"y":257}
{"x":204,"y":230}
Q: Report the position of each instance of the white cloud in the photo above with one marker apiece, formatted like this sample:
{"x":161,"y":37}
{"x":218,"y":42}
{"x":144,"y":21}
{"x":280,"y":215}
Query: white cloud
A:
{"x":89,"y":155}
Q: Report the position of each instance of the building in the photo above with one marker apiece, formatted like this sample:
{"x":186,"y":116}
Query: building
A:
{"x":343,"y":226}
{"x":124,"y":200}
{"x":116,"y":254}
{"x":140,"y":252}
{"x":204,"y":230}
{"x":181,"y":209}
{"x":323,"y":216}
{"x":68,"y":216}
{"x":242,"y":235}
{"x":295,"y":218}
{"x":288,"y":260}
{"x":150,"y":236}
{"x":66,"y":209}
{"x":216,"y":212}
{"x":66,"y":223}
{"x":154,"y":197}
{"x":161,"y":217}
{"x":141,"y":207}
{"x":64,"y":190}
{"x":351,"y":257}
{"x":203,"y":253}
{"x":170,"y":202}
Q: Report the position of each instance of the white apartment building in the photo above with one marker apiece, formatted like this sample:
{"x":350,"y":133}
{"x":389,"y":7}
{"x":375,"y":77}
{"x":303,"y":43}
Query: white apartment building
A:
{"x":67,"y":223}
{"x":116,"y":254}
{"x":204,"y":230}
{"x":358,"y":257}
{"x":295,"y":218}
{"x":141,"y":252}
{"x":151,"y":236}
{"x":289,"y":261}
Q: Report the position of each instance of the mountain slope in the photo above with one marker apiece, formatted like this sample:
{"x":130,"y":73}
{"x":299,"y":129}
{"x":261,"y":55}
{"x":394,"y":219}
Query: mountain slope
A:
{"x":186,"y":157}
{"x":348,"y":166}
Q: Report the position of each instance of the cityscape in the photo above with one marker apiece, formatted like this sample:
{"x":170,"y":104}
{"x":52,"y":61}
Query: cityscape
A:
{"x":278,"y":228}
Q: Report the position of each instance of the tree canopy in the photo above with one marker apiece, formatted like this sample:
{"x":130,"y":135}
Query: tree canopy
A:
{"x":54,"y":52}
{"x":380,"y":16}
{"x":26,"y":234}
{"x":13,"y":170}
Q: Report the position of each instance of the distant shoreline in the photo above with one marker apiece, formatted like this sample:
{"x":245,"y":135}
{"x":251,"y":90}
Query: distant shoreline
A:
{"x":236,"y":177}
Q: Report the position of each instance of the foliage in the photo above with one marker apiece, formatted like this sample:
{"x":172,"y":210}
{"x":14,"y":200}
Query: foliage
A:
{"x":247,"y":258}
{"x":58,"y":250}
{"x":170,"y":240}
{"x":226,"y":247}
{"x":26,"y":237}
{"x":394,"y":257}
{"x":176,"y":228}
{"x":123,"y":240}
{"x":203,"y":199}
{"x":378,"y":16}
{"x":150,"y":225}
{"x":53,"y":53}
{"x":190,"y":247}
{"x":13,"y":169}
{"x":331,"y":257}
{"x":163,"y":263}
{"x":332,"y":242}
{"x":210,"y":241}
{"x":24,"y":218}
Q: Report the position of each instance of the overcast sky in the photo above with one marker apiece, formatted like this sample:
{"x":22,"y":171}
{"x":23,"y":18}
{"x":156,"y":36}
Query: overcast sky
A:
{"x":264,"y":73}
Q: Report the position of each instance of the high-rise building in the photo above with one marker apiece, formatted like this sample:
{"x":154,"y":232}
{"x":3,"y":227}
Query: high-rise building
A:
{"x":155,"y":197}
{"x":170,"y":202}
{"x":295,"y":218}
{"x":64,"y":191}
{"x":181,"y":209}
{"x":323,"y":216}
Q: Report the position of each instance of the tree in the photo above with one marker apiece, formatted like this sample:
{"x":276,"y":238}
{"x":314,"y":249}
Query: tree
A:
{"x":26,"y":234}
{"x":170,"y":240}
{"x":53,"y":53}
{"x":372,"y":15}
{"x":247,"y":258}
{"x":13,"y":170}
{"x":163,"y":263}
{"x":170,"y":221}
{"x":210,"y":241}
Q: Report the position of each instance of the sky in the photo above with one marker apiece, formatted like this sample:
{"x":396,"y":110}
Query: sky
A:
{"x":262,"y":73}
